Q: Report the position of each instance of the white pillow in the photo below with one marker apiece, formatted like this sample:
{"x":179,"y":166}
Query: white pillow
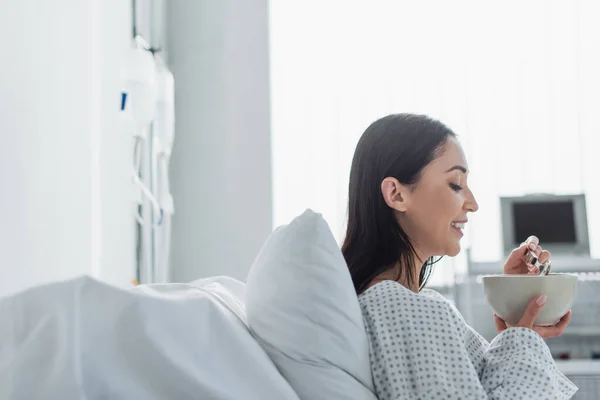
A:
{"x":302,"y":308}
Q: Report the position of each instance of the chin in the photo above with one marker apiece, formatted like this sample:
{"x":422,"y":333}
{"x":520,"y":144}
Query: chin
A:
{"x":453,"y":250}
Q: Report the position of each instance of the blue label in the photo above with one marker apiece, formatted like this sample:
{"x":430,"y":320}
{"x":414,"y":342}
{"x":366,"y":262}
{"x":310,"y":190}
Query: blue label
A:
{"x":123,"y":100}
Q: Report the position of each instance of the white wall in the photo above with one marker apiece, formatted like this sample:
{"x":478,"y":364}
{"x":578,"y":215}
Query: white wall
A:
{"x":220,"y":172}
{"x":64,"y":176}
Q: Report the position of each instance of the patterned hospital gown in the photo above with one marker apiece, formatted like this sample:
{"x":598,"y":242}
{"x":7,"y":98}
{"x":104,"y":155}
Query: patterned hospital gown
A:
{"x":422,"y":348}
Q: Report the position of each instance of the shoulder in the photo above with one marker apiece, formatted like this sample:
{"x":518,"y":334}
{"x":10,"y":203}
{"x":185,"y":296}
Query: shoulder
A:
{"x":418,"y":324}
{"x":432,"y":294}
{"x":389,"y":297}
{"x":390,"y":300}
{"x":391,"y":292}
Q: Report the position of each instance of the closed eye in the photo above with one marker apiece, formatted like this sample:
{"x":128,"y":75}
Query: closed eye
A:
{"x":455,"y":187}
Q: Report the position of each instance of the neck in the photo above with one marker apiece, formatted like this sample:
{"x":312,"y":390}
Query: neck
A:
{"x":418,"y":261}
{"x":391,"y":275}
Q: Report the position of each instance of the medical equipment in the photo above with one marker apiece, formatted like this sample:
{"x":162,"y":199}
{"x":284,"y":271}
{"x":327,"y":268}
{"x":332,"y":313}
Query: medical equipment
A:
{"x":147,"y":101}
{"x":560,"y":220}
{"x":163,"y":128}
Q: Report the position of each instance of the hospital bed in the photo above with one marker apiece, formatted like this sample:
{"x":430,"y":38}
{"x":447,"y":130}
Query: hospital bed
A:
{"x":83,"y":339}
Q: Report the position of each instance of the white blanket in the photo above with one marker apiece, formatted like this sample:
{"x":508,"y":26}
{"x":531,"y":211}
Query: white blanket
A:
{"x":83,"y":339}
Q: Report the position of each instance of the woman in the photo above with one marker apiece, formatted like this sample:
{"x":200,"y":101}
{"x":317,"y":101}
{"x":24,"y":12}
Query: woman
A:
{"x":409,"y":200}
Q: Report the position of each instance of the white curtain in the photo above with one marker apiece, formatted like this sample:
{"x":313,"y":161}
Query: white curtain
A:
{"x":518,"y":81}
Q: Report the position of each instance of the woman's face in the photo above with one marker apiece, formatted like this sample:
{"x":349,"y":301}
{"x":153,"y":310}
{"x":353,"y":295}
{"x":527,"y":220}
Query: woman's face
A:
{"x":436,"y":208}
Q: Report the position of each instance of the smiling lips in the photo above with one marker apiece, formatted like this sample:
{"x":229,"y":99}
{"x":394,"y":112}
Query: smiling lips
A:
{"x":458,"y":226}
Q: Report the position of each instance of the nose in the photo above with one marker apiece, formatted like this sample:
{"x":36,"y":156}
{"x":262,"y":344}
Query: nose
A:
{"x":471,"y":203}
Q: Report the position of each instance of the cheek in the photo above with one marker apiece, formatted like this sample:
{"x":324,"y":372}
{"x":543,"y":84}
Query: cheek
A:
{"x":447,"y":206}
{"x":448,"y":209}
{"x":436,"y":211}
{"x":455,"y":205}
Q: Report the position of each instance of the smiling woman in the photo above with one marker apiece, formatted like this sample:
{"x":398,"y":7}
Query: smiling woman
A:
{"x":409,"y":200}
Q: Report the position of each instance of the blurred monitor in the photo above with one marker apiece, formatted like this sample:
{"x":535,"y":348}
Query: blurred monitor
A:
{"x":559,"y":221}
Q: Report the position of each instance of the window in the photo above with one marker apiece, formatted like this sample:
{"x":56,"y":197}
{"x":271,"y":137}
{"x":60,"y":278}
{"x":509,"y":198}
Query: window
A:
{"x":517,"y":81}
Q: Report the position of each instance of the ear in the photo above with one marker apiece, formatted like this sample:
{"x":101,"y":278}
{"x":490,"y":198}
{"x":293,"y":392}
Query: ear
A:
{"x":395,"y":194}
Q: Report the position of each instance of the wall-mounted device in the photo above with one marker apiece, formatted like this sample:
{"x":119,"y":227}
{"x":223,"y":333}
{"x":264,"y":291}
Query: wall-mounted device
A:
{"x":559,"y":221}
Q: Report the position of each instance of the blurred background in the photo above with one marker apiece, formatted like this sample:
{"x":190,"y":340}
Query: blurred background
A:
{"x":152,"y":140}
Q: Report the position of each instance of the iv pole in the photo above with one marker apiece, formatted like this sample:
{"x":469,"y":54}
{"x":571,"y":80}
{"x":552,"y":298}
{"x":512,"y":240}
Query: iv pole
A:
{"x":153,"y":144}
{"x":143,"y":176}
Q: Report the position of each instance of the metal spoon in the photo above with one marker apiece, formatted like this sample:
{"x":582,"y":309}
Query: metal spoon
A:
{"x":544,"y":268}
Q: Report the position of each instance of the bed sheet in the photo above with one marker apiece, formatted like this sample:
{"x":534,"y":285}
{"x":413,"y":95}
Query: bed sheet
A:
{"x":83,"y":339}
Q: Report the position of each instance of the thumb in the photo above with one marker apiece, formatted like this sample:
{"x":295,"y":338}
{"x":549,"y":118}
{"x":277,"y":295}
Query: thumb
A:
{"x":532,"y":310}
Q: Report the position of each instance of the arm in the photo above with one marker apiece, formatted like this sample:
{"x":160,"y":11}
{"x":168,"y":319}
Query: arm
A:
{"x":519,"y":366}
{"x":418,"y":351}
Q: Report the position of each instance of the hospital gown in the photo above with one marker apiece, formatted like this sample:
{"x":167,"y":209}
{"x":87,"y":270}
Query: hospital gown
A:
{"x":422,"y":348}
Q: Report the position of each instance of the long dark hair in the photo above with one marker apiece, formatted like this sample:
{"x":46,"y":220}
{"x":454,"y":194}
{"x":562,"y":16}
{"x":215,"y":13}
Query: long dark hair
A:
{"x":398,"y":146}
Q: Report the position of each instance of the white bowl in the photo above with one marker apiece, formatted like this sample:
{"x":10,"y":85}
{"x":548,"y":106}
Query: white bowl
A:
{"x":509,"y":295}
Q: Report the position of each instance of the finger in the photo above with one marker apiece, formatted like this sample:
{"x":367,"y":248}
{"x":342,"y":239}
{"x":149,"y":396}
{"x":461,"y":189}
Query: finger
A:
{"x":538,"y":251}
{"x":544,"y":256}
{"x":532,"y":241}
{"x":532,"y":310}
{"x":532,"y":269}
{"x":556,"y":330}
{"x":564,"y":321}
{"x":500,"y":324}
{"x":520,"y":251}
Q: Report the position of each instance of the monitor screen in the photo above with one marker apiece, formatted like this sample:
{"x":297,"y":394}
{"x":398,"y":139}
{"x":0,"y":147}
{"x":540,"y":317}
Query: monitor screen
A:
{"x":552,"y":222}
